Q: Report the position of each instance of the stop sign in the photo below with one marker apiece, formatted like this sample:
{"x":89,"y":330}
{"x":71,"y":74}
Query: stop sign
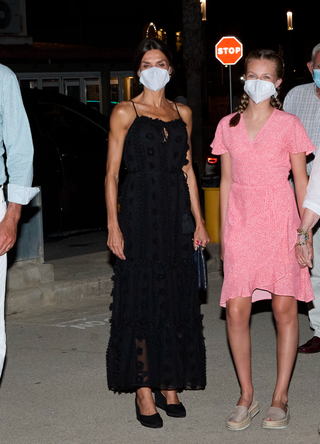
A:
{"x":229,"y":50}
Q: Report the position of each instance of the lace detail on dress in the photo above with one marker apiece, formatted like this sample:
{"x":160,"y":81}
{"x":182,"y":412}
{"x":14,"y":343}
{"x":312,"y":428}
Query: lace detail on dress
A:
{"x":156,"y":327}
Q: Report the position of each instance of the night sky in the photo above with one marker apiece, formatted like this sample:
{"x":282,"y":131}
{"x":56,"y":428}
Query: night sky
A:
{"x":119,"y":23}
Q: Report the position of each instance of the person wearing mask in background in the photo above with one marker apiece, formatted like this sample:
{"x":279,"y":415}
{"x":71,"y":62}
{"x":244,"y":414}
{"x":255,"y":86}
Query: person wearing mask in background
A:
{"x":304,"y":102}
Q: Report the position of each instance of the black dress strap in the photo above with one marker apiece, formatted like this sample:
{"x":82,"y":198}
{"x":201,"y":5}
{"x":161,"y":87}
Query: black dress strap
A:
{"x":134,"y":107}
{"x":177,"y":109}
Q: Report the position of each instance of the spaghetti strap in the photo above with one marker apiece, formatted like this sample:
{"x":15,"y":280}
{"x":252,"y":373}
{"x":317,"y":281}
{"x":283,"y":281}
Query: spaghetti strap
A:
{"x":135,"y":108}
{"x":177,"y":109}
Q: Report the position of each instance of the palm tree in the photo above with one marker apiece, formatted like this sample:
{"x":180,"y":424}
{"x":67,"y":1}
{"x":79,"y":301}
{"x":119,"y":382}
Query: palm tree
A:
{"x":193,"y":56}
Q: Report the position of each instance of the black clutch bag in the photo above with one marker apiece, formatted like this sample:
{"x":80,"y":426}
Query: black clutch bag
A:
{"x":201,"y":268}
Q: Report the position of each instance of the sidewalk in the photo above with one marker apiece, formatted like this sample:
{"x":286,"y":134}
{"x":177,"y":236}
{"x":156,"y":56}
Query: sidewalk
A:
{"x":76,"y":268}
{"x":54,"y":387}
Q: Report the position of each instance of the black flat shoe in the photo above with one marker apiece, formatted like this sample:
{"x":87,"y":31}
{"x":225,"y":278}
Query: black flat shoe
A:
{"x":153,"y":421}
{"x":174,"y":410}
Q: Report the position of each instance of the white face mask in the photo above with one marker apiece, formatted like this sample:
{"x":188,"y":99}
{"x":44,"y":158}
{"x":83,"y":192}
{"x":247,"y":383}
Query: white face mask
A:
{"x":260,"y":90}
{"x":154,"y":78}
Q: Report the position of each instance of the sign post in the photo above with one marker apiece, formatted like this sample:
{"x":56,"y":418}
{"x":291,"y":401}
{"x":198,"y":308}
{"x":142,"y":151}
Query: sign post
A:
{"x":229,"y":51}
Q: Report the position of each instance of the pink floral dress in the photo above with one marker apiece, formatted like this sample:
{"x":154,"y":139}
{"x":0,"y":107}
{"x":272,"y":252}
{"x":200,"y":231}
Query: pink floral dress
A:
{"x":262,"y":217}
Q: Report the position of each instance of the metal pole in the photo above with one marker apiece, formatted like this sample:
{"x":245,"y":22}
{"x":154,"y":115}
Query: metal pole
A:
{"x":230,"y":83}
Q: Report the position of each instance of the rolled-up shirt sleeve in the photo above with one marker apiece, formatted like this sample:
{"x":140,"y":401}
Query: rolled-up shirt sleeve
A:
{"x":17,"y":139}
{"x":312,"y":198}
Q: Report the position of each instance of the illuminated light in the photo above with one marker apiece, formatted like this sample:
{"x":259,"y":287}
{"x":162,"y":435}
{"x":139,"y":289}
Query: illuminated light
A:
{"x":203,"y":9}
{"x":289,"y":21}
{"x":178,"y":41}
{"x":151,"y":24}
{"x":212,"y":160}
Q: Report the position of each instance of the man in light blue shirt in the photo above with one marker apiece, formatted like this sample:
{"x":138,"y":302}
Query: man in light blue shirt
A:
{"x":16,"y":157}
{"x":304,"y":102}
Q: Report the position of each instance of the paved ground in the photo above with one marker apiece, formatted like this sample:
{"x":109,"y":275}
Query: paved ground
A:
{"x":74,"y":245}
{"x":54,"y":388}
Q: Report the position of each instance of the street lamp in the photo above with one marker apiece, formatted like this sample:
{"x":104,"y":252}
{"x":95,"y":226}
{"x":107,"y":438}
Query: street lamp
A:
{"x":289,"y":21}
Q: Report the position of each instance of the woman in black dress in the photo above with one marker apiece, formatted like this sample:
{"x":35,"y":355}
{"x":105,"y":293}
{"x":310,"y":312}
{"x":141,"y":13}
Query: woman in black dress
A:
{"x":156,"y":341}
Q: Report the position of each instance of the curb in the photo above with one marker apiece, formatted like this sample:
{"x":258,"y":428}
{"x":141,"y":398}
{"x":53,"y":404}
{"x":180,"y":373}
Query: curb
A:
{"x":75,"y":279}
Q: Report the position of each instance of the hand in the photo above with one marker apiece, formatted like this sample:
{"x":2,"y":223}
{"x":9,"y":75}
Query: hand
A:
{"x":8,"y":235}
{"x":304,"y":254}
{"x":116,"y":243}
{"x":201,"y":237}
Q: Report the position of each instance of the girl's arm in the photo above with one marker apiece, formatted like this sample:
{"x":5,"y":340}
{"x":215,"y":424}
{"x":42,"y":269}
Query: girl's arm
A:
{"x":304,"y":253}
{"x":200,"y":234}
{"x":298,"y":166}
{"x":226,"y":180}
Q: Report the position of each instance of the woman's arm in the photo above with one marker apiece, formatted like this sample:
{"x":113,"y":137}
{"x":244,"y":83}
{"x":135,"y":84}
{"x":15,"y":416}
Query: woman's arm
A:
{"x":304,"y":253}
{"x":225,"y":183}
{"x":298,"y":166}
{"x":119,"y":123}
{"x":200,"y":234}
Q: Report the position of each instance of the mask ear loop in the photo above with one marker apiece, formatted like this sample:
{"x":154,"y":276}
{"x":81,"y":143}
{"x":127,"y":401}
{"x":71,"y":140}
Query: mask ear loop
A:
{"x":275,"y":95}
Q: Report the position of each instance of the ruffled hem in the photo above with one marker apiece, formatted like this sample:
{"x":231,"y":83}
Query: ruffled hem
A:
{"x":262,"y":295}
{"x":269,"y":265}
{"x":300,"y":289}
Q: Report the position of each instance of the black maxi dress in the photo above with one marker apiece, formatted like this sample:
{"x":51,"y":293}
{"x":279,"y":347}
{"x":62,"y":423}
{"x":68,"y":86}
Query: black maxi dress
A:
{"x":156,"y":336}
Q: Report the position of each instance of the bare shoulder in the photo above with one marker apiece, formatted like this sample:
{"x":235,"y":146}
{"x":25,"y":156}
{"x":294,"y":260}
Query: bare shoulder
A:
{"x":184,"y":111}
{"x":123,"y":109}
{"x":123,"y":114}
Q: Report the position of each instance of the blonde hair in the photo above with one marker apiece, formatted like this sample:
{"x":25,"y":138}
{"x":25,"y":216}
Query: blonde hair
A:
{"x":260,"y":54}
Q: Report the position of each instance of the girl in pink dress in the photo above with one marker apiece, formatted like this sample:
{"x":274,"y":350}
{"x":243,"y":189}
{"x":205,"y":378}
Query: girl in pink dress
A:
{"x":259,"y":219}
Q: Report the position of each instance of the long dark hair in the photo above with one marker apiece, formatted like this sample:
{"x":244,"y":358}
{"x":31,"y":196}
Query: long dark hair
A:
{"x":148,"y":44}
{"x":260,"y":54}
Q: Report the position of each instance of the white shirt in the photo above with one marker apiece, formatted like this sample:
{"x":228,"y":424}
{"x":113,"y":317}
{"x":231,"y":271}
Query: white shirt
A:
{"x":303,"y":102}
{"x":15,"y":141}
{"x":312,"y":198}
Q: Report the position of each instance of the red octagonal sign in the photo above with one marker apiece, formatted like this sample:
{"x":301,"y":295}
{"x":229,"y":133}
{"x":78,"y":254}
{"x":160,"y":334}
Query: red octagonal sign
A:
{"x":229,"y":50}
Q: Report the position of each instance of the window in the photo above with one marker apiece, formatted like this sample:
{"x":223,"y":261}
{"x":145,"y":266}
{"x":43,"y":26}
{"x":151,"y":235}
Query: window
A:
{"x":122,"y":86}
{"x":29,"y":84}
{"x":51,"y":85}
{"x":84,"y":87}
{"x":92,"y":91}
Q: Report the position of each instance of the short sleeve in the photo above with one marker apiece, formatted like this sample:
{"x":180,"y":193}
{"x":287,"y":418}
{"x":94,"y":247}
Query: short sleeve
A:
{"x":312,"y":198}
{"x":300,"y":141}
{"x":217,"y":144}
